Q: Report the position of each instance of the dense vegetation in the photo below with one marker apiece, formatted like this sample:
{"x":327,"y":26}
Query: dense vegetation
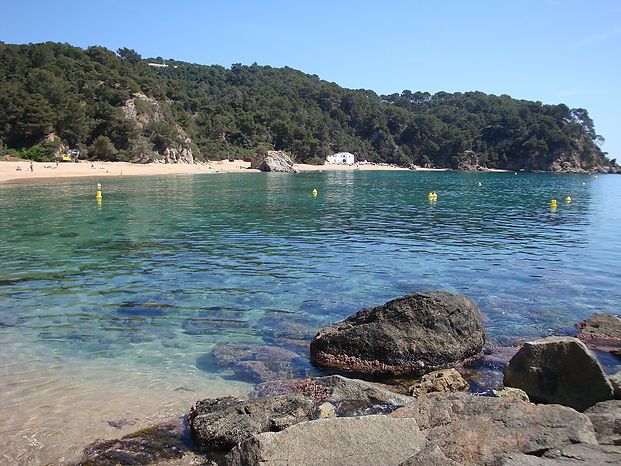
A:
{"x":54,"y":94}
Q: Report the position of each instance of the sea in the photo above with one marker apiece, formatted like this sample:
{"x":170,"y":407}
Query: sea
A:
{"x":110,"y":309}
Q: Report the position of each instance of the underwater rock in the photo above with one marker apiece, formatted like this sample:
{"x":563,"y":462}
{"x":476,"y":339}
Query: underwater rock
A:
{"x":414,"y":334}
{"x":165,"y":441}
{"x":345,"y":441}
{"x":259,"y":363}
{"x":478,"y":430}
{"x":558,"y":370}
{"x":221,"y":423}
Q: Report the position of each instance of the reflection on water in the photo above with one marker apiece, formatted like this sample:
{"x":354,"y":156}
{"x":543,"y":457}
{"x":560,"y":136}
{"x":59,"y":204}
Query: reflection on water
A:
{"x":168,"y":267}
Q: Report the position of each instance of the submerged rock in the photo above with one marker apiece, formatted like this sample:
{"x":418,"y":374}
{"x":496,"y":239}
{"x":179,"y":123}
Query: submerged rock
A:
{"x":480,"y":430}
{"x":414,"y":334}
{"x":272,"y":161}
{"x":221,"y":423}
{"x":168,"y":441}
{"x":558,"y":370}
{"x":367,"y":440}
{"x":446,"y":380}
{"x":259,"y":363}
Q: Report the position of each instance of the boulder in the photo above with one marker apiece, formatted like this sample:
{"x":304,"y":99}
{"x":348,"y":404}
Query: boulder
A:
{"x":272,"y":161}
{"x":606,"y":420}
{"x":583,"y":454}
{"x":445,"y":380}
{"x":411,"y":335}
{"x":221,"y":423}
{"x":558,"y":370}
{"x":366,"y":440}
{"x":481,"y":430}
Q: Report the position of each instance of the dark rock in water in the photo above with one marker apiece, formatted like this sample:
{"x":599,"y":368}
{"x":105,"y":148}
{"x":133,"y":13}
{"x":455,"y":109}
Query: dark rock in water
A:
{"x":259,"y":363}
{"x":413,"y":334}
{"x":582,"y":454}
{"x":602,"y":324}
{"x":166,"y":441}
{"x":144,"y":309}
{"x":558,"y":370}
{"x":221,"y":423}
{"x":431,"y":455}
{"x":606,"y":420}
{"x":207,"y":326}
{"x":480,"y":430}
{"x":272,"y":161}
{"x":367,"y":440}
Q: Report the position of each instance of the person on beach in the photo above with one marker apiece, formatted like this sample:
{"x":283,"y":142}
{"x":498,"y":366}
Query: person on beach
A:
{"x":31,"y":169}
{"x":18,"y":169}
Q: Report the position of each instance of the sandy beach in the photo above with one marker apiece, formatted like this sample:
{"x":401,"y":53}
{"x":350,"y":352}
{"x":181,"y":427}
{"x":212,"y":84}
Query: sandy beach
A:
{"x":12,"y":171}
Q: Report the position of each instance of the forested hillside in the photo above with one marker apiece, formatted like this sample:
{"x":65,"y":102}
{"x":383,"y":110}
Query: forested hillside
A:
{"x":114,"y":106}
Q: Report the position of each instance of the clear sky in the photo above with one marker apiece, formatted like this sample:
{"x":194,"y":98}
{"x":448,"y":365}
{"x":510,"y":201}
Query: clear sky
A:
{"x":549,"y":50}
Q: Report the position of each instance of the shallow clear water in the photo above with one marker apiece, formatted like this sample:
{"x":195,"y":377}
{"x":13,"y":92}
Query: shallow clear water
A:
{"x":166,"y":267}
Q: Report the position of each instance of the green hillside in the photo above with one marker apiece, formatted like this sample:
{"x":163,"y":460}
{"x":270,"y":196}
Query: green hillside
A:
{"x":115,"y":106}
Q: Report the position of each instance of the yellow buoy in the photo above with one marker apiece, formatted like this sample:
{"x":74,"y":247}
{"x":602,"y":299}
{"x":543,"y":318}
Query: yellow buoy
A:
{"x":595,"y":177}
{"x":553,"y":203}
{"x":314,"y":191}
{"x":480,"y":184}
{"x":432,"y":196}
{"x":98,"y":195}
{"x":568,"y":199}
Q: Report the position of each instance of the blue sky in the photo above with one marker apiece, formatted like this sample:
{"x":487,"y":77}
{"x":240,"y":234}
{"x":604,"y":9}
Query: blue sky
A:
{"x":548,"y":50}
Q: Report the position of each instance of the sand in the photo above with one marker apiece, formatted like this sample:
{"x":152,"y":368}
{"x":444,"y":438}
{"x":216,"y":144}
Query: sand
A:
{"x":43,"y":170}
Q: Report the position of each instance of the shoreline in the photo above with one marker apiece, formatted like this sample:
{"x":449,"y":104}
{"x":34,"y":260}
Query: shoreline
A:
{"x":48,"y":171}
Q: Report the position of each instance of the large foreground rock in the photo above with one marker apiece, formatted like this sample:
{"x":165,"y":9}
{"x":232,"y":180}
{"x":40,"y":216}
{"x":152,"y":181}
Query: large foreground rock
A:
{"x":272,"y":161}
{"x":367,"y":440}
{"x":482,"y":430}
{"x":558,"y":370}
{"x":414,"y":334}
{"x":221,"y":423}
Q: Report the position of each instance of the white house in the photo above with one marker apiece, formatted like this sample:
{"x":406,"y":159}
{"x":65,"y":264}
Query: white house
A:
{"x":344,"y":158}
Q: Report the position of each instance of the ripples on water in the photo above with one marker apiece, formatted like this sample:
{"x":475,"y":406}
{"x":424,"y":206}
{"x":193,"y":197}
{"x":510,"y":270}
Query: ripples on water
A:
{"x":166,"y":267}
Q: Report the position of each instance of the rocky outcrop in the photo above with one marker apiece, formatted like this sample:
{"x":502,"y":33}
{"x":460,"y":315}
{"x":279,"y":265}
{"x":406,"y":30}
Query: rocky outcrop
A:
{"x":601,"y":330}
{"x":346,"y":396}
{"x":558,"y":370}
{"x":414,"y":334}
{"x":446,"y":380}
{"x":368,"y":440}
{"x":478,"y":430}
{"x":260,"y":363}
{"x":606,"y":420}
{"x":221,"y":423}
{"x":272,"y":161}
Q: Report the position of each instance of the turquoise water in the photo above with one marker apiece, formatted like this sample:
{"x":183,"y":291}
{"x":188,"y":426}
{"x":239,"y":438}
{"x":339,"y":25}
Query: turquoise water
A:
{"x":167,"y":267}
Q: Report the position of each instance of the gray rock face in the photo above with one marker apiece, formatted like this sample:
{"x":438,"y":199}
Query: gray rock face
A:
{"x":558,"y":370}
{"x":583,"y":454}
{"x":445,"y":380}
{"x":366,"y":440}
{"x":480,"y":430}
{"x":272,"y":161}
{"x":414,"y":334}
{"x":615,"y":381}
{"x":221,"y":423}
{"x":431,"y":455}
{"x":606,"y":420}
